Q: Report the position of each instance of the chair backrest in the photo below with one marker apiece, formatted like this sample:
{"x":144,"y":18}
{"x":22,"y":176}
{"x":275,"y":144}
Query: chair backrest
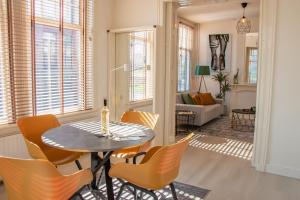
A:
{"x":147,"y":119}
{"x":165,"y":163}
{"x":32,"y":179}
{"x":33,"y":127}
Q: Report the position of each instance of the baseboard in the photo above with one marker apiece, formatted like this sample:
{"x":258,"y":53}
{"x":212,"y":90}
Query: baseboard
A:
{"x":283,"y":171}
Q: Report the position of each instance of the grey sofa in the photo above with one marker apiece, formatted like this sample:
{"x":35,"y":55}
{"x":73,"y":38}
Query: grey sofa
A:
{"x":204,"y":113}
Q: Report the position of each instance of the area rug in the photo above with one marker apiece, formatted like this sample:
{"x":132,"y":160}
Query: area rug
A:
{"x":221,"y":127}
{"x":184,"y":192}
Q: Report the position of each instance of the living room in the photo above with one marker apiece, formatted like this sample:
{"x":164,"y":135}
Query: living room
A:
{"x":218,"y":57}
{"x":267,"y":167}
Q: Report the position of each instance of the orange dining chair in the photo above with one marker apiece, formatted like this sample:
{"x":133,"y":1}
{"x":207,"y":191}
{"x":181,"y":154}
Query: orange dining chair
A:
{"x":40,"y":180}
{"x":32,"y":129}
{"x":146,"y":119}
{"x":159,"y":168}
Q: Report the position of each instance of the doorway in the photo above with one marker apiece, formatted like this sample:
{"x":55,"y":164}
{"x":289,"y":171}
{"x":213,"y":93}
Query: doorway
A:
{"x":209,"y":21}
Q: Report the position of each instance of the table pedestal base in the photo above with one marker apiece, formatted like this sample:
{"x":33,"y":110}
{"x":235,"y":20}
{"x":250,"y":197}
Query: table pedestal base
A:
{"x":96,"y":164}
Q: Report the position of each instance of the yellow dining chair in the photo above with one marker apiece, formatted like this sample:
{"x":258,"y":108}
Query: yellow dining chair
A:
{"x":146,"y":119}
{"x":159,"y":168}
{"x":32,"y":129}
{"x":40,"y":180}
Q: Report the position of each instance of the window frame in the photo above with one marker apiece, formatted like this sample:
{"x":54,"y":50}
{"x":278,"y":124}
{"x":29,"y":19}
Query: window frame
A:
{"x":82,"y":25}
{"x":148,"y":45}
{"x":188,"y":51}
{"x":248,"y":64}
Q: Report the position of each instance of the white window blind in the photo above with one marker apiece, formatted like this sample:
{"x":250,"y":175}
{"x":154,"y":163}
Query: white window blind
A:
{"x":140,"y":75}
{"x":45,"y":57}
{"x":185,"y":47}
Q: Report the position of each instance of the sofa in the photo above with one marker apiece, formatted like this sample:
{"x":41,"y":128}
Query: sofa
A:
{"x":204,"y":113}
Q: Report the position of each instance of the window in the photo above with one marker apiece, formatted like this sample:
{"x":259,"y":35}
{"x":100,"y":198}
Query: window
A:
{"x":45,"y":57}
{"x":140,"y":74}
{"x":185,"y":45}
{"x":252,"y":59}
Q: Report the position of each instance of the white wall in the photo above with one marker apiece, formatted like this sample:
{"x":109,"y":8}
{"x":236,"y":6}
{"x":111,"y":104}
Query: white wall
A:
{"x":134,"y":13}
{"x":285,"y":129}
{"x":102,"y":22}
{"x":237,"y":49}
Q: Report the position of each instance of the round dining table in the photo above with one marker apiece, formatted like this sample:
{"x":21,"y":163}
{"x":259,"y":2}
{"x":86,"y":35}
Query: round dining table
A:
{"x":87,"y":137}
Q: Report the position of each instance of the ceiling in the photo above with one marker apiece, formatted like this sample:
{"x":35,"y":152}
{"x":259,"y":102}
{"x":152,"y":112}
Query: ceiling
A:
{"x":201,"y":11}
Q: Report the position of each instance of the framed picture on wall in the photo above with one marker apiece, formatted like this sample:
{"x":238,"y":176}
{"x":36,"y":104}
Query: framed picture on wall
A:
{"x":220,"y":52}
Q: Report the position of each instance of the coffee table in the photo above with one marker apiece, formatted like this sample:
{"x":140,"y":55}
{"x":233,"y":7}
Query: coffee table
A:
{"x":243,"y":120}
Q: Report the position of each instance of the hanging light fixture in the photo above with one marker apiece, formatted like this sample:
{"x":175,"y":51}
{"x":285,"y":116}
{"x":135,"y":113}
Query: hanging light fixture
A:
{"x":244,"y":24}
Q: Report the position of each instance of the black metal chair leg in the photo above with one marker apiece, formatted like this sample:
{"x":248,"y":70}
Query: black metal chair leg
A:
{"x":78,"y":164}
{"x":135,"y":194}
{"x":121,"y":190}
{"x":80,"y":196}
{"x":151,"y":193}
{"x":173,"y":191}
{"x":99,"y":179}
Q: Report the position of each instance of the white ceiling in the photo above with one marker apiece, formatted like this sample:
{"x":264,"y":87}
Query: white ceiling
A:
{"x":201,"y":11}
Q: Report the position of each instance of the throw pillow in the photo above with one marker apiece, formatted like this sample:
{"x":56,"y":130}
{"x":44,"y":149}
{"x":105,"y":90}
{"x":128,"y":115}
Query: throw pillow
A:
{"x":187,"y":99}
{"x":196,"y":99}
{"x":207,"y":99}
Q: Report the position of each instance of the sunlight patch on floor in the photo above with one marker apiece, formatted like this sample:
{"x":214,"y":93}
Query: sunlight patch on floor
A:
{"x":230,"y":147}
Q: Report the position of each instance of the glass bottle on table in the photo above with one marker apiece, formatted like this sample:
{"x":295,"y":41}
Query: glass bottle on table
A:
{"x":105,"y":119}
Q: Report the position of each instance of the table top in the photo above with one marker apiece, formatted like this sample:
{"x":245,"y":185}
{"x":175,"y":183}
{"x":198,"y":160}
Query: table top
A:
{"x":87,"y":137}
{"x":243,"y":111}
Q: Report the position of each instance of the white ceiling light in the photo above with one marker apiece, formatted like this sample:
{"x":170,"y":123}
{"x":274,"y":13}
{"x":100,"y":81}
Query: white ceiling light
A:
{"x":244,"y":24}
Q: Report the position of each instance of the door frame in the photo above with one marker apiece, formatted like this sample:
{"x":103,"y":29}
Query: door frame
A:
{"x":267,"y":44}
{"x":111,"y":34}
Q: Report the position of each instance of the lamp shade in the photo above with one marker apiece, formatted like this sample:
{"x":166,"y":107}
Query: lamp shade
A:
{"x":202,"y":70}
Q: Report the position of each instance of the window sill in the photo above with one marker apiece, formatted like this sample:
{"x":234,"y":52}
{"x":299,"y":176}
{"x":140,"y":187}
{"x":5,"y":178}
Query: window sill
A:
{"x":183,"y":92}
{"x":12,"y":129}
{"x":142,"y":103}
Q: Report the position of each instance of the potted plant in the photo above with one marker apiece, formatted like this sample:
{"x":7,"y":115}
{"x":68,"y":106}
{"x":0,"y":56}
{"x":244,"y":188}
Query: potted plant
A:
{"x":224,"y":84}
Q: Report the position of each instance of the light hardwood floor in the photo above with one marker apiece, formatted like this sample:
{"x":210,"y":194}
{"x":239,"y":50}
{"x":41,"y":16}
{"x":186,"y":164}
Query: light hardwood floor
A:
{"x":227,"y":176}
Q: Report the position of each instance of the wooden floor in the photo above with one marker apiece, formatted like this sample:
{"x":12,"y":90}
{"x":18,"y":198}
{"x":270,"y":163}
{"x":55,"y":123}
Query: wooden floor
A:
{"x":227,"y":176}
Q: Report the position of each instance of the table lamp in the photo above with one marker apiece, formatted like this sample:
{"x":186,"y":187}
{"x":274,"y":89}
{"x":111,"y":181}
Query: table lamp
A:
{"x":202,"y":71}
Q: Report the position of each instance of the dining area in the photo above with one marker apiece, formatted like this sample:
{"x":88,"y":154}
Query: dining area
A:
{"x":122,"y":154}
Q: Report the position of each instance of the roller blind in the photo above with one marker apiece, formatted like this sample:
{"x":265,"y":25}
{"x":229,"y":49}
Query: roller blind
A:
{"x":140,"y":74}
{"x":185,"y":47}
{"x":45,"y":57}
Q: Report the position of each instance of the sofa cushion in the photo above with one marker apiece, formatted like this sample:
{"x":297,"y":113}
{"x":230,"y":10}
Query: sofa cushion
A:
{"x":179,"y":99}
{"x":196,"y":99}
{"x":207,"y":99}
{"x":187,"y":99}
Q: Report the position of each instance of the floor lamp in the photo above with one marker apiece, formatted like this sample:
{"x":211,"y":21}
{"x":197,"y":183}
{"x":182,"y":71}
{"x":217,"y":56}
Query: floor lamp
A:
{"x":202,"y":71}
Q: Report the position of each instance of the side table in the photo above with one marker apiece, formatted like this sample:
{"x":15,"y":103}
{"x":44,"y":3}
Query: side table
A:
{"x":186,"y":118}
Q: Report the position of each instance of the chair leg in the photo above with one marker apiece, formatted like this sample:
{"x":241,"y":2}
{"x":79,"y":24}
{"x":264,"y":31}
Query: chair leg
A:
{"x":121,"y":190}
{"x":78,"y":164}
{"x":80,"y":196}
{"x":99,"y":179}
{"x":140,"y":197}
{"x":173,"y":191}
{"x":151,"y":193}
{"x":135,"y":194}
